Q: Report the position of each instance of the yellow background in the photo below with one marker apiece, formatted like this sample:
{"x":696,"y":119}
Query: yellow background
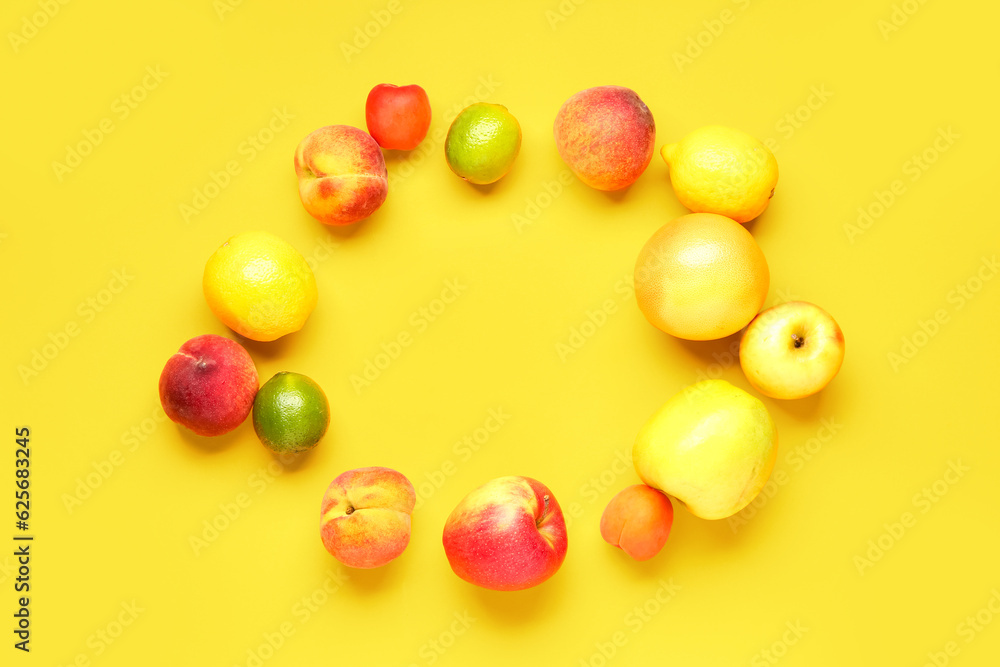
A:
{"x":892,"y":427}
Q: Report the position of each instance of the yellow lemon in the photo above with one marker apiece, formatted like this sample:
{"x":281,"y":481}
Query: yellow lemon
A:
{"x":717,"y":169}
{"x":259,"y":286}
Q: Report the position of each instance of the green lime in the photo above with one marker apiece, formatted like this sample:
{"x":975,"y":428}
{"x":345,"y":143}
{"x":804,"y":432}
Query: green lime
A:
{"x":290,"y":413}
{"x":482,"y":143}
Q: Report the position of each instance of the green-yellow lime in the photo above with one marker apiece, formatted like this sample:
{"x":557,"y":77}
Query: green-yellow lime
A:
{"x":290,"y":413}
{"x":717,"y":169}
{"x":483,"y":142}
{"x":259,"y":286}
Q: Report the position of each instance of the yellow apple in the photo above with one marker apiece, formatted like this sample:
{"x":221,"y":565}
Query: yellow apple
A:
{"x":792,"y":350}
{"x":711,"y":446}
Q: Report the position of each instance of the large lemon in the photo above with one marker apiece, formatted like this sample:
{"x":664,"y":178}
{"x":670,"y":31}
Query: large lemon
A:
{"x":712,"y":446}
{"x":259,"y":286}
{"x":717,"y":169}
{"x":701,"y":277}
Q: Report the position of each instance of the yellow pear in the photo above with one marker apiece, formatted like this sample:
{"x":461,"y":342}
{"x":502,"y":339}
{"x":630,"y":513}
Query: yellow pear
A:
{"x":711,"y":446}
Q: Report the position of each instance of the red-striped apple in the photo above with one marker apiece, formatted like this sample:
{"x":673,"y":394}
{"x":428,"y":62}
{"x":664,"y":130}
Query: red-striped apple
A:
{"x":507,"y":535}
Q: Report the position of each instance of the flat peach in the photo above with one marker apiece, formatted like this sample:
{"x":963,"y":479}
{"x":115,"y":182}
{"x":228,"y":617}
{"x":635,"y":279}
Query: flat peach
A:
{"x":342,"y":174}
{"x":365,"y":516}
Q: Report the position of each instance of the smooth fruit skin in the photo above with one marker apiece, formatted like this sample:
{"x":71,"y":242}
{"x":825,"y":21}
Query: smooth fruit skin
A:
{"x":342,"y":174}
{"x":482,"y":143}
{"x":638,"y":521}
{"x":507,"y":535}
{"x":398,"y":117}
{"x":792,"y":350}
{"x":259,"y":286}
{"x":718,"y":169}
{"x":365,"y":516}
{"x":701,"y":277}
{"x":712,"y":446}
{"x":606,"y":135}
{"x":209,"y":385}
{"x":290,"y":413}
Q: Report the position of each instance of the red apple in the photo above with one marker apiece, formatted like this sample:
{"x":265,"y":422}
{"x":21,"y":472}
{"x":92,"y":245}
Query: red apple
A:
{"x":507,"y":535}
{"x":209,"y":385}
{"x":398,"y":116}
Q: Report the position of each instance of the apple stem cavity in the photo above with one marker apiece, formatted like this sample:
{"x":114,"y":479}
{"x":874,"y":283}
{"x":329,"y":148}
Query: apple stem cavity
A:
{"x":545,"y":511}
{"x":349,"y":510}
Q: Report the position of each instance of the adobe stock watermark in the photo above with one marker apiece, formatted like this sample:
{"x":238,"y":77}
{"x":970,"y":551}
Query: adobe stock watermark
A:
{"x":100,"y":471}
{"x":536,"y":205}
{"x":87,"y":311}
{"x":322,"y":250}
{"x":432,"y":650}
{"x":419,"y":321}
{"x":463,"y":449}
{"x":99,"y":641}
{"x":594,"y":319}
{"x":795,"y":459}
{"x":957,"y":298}
{"x":795,"y":120}
{"x":697,"y":44}
{"x":562,"y":11}
{"x":432,"y":143}
{"x":7,"y":568}
{"x":779,"y":648}
{"x":913,"y":169}
{"x":230,"y":511}
{"x":121,"y":108}
{"x":595,"y":487}
{"x":900,"y":15}
{"x":364,"y":34}
{"x":32,"y":23}
{"x":248,"y":150}
{"x":635,"y":620}
{"x":922,"y":501}
{"x":967,"y":630}
{"x":223,"y":7}
{"x":302,"y":611}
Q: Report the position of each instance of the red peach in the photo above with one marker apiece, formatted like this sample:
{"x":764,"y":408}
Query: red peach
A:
{"x":365,"y":516}
{"x":342,"y":175}
{"x":638,"y":521}
{"x":209,"y":385}
{"x":606,"y":136}
{"x":507,"y":535}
